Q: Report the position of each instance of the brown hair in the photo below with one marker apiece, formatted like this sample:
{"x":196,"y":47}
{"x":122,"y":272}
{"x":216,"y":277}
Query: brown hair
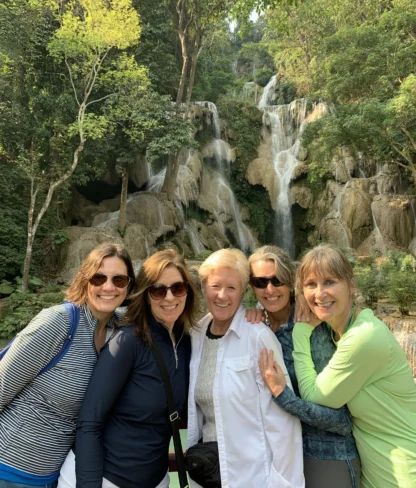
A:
{"x":322,"y":259}
{"x":139,"y":311}
{"x":226,"y":258}
{"x":283,"y":265}
{"x":78,"y":290}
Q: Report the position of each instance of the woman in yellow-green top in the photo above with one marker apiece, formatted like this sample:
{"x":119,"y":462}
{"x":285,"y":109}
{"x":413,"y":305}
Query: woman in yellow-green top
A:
{"x":368,"y":372}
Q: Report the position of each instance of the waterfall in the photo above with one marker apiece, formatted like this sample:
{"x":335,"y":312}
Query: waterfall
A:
{"x":268,"y":92}
{"x":287,"y":124}
{"x":244,"y":236}
{"x":156,"y":181}
{"x":338,"y":215}
{"x":196,"y":243}
{"x":377,"y":232}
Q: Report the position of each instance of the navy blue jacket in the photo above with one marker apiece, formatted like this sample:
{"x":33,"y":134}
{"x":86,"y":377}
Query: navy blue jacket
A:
{"x":123,"y":430}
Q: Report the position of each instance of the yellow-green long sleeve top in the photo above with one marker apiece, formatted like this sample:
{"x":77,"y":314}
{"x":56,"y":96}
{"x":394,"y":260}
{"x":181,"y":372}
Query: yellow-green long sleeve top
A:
{"x":368,"y":372}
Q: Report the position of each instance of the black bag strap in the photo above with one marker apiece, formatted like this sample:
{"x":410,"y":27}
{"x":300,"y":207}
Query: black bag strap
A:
{"x":173,"y":416}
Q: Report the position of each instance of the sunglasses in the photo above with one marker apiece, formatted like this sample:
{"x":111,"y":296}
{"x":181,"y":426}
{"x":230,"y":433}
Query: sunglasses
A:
{"x":178,"y":289}
{"x":261,"y":282}
{"x":119,"y":281}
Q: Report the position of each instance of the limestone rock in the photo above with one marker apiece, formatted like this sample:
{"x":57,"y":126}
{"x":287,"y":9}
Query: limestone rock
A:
{"x":342,"y":166}
{"x":300,"y":171}
{"x":355,"y":213}
{"x":139,"y":172}
{"x":219,"y":148}
{"x":261,"y":172}
{"x":139,"y":241}
{"x":394,"y":217}
{"x":331,"y":230}
{"x":81,"y":241}
{"x":301,"y":195}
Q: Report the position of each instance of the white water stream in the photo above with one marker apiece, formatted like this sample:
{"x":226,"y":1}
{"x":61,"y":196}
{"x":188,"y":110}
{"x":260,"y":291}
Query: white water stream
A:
{"x":287,"y":123}
{"x":243,"y":235}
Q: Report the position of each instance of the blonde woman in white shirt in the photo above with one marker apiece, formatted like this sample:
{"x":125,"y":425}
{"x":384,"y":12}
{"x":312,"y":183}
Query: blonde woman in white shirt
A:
{"x":259,"y":445}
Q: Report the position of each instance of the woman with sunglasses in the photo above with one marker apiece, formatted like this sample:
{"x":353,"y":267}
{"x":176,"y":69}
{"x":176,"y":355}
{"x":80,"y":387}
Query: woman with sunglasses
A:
{"x":329,"y":448}
{"x":38,"y":411}
{"x":124,"y":430}
{"x":258,"y":444}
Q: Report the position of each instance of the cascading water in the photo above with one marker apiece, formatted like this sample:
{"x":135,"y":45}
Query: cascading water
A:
{"x":244,"y":236}
{"x":267,"y":92}
{"x":338,"y":214}
{"x":287,"y":123}
{"x":196,"y":243}
{"x":377,"y":232}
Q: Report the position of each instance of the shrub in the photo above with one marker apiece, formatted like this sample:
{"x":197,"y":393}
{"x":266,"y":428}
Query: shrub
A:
{"x":20,"y":308}
{"x":262,"y":76}
{"x":402,"y":289}
{"x":371,"y":282}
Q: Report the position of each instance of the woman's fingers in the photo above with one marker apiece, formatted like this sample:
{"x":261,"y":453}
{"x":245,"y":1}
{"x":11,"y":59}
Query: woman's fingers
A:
{"x":254,"y":315}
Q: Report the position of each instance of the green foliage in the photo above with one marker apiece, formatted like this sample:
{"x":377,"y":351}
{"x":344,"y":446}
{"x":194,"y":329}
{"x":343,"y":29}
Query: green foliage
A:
{"x":59,"y":237}
{"x":203,"y":255}
{"x":246,"y":121}
{"x":249,"y":299}
{"x":262,"y":76}
{"x":393,"y":276}
{"x":402,"y":286}
{"x":371,"y":282}
{"x":20,"y":308}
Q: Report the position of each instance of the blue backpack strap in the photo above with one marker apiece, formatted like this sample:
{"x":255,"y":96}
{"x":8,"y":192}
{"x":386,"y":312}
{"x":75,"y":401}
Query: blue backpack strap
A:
{"x":73,"y":311}
{"x":5,"y":349}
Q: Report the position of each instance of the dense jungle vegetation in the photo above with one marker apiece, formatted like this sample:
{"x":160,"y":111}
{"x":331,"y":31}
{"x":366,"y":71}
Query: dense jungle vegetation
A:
{"x":77,"y":99}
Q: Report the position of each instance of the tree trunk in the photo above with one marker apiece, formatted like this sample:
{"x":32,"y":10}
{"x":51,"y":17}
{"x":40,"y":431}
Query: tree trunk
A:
{"x":123,"y":201}
{"x":169,"y":185}
{"x":33,"y":227}
{"x":30,"y":238}
{"x":194,"y":62}
{"x":185,"y":63}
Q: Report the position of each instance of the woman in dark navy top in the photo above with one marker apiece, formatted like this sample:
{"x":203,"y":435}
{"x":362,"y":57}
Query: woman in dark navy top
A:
{"x":123,"y":431}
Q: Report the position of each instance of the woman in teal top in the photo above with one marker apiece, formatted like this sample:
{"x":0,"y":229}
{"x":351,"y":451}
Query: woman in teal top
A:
{"x":368,"y":371}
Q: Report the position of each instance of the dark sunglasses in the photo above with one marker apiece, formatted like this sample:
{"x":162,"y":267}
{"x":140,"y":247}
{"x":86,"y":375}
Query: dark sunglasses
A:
{"x":119,"y":281}
{"x":178,"y":289}
{"x":260,"y":282}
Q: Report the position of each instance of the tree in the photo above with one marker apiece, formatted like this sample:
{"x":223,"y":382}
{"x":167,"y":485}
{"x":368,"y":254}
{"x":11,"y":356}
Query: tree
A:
{"x":88,"y":32}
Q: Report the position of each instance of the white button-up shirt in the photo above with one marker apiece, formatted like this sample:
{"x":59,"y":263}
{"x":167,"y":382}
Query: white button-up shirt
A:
{"x":259,"y":444}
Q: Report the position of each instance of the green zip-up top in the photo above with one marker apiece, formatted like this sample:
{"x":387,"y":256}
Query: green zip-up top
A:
{"x":368,"y":372}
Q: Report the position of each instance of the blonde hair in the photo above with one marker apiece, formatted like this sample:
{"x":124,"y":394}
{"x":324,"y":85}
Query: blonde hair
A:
{"x":78,"y":289}
{"x":226,"y":258}
{"x":139,"y":311}
{"x":283,"y":265}
{"x":323,"y":259}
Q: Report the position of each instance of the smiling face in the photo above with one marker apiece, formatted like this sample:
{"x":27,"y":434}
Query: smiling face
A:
{"x":103,"y":300}
{"x":168,"y":309}
{"x":223,"y":290}
{"x":272,"y":298}
{"x":329,"y":298}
